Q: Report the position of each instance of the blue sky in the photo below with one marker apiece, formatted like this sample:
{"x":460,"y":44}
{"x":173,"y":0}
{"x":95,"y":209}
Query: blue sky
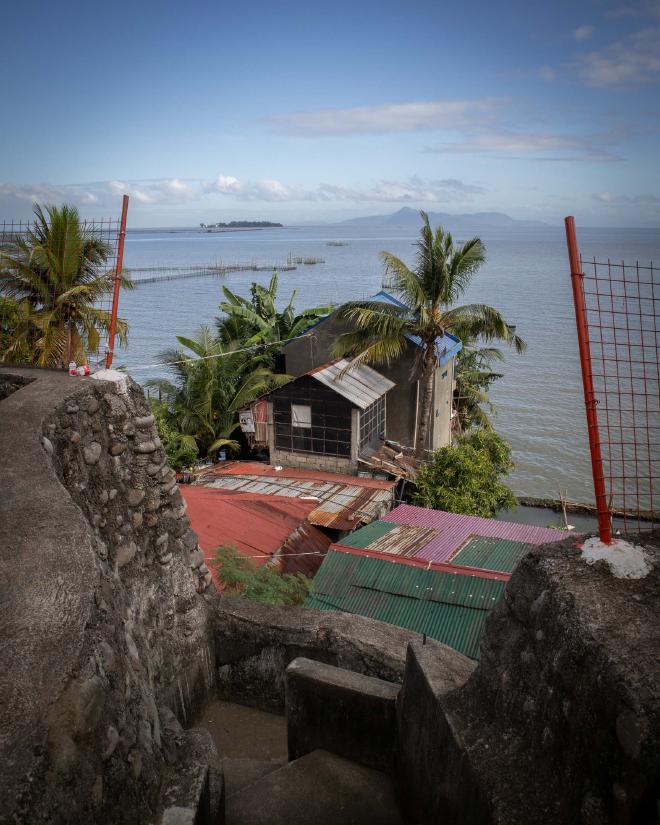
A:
{"x":299,"y":111}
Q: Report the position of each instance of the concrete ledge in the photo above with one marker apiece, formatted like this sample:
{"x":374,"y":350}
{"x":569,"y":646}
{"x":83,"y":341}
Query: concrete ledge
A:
{"x":193,"y":794}
{"x":346,"y":713}
{"x":256,"y":642}
{"x":433,"y":775}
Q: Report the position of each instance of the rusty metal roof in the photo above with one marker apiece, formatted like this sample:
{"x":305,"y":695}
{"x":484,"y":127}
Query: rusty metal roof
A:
{"x":446,"y":606}
{"x":362,"y":385}
{"x":338,"y":502}
{"x":452,"y":530}
{"x":387,"y":537}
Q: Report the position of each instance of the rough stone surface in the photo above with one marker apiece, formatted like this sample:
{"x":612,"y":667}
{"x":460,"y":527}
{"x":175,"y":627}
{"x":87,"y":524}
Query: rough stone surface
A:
{"x":562,"y":715}
{"x":193,"y":790}
{"x":346,"y":713}
{"x":100,"y":645}
{"x":256,"y":642}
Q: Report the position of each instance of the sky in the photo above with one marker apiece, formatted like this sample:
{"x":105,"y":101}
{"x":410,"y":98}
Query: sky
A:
{"x":314,"y":112}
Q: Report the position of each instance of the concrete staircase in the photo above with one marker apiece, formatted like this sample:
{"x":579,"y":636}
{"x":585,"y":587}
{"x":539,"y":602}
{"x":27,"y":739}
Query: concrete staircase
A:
{"x":319,"y":788}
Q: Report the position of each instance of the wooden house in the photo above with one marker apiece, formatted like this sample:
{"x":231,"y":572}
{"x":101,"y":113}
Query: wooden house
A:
{"x":326,"y":418}
{"x":314,"y":348}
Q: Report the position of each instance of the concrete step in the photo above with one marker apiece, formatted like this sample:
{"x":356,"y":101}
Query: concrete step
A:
{"x":241,"y":772}
{"x":317,"y":789}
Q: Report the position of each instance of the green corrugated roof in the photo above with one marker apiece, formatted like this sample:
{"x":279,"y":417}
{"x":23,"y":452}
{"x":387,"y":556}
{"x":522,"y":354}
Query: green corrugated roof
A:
{"x":492,"y":554}
{"x":448,"y":607}
{"x":365,"y":535}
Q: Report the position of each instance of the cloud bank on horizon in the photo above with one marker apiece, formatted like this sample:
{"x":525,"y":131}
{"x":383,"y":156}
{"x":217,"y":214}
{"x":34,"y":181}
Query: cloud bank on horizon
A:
{"x":533,"y":111}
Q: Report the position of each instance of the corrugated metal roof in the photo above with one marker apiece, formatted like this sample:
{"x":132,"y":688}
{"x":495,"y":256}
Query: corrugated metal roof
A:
{"x":361,"y":386}
{"x":219,"y":517}
{"x":446,"y":346}
{"x":448,"y":607}
{"x":366,"y":535}
{"x":386,"y":537}
{"x":454,"y":530}
{"x":333,"y":501}
{"x":492,"y":554}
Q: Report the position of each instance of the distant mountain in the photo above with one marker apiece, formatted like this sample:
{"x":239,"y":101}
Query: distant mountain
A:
{"x":410,"y":217}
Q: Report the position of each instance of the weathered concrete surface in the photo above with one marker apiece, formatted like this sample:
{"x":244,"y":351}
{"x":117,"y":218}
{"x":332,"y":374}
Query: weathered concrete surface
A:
{"x":193,"y":790}
{"x":434,"y":780}
{"x":255,"y":643}
{"x":331,"y":709}
{"x":102,"y":625}
{"x":562,"y":716}
{"x":319,"y":788}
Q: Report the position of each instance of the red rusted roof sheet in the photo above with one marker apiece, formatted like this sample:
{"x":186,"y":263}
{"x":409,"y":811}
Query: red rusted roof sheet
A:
{"x":258,"y":526}
{"x":341,"y":502}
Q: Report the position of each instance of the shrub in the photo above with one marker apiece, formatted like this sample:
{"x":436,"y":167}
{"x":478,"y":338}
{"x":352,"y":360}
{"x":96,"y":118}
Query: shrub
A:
{"x":466,"y":477}
{"x":240,"y":575}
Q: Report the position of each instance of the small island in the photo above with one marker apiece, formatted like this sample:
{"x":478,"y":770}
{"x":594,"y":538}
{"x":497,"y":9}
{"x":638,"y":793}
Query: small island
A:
{"x":237,"y":225}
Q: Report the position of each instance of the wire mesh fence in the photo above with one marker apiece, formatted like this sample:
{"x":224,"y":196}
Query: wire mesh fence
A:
{"x":57,"y":278}
{"x":617,"y":307}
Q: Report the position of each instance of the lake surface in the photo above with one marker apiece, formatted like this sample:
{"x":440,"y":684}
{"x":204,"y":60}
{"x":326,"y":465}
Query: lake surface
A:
{"x":539,"y":400}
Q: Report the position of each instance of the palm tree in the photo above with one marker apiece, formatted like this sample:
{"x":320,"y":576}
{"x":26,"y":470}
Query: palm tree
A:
{"x":428,"y":293}
{"x":56,"y":275}
{"x":257,"y":321}
{"x":212,"y":381}
{"x":474,"y":375}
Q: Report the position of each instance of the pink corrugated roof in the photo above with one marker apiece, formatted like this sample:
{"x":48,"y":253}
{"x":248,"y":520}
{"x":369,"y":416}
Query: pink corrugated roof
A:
{"x":454,"y":530}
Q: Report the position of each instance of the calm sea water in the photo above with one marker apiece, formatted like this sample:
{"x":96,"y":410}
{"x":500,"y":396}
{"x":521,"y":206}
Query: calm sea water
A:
{"x":539,"y":400}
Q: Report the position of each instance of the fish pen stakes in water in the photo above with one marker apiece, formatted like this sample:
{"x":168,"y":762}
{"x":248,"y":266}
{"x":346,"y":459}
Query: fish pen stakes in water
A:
{"x":178,"y":273}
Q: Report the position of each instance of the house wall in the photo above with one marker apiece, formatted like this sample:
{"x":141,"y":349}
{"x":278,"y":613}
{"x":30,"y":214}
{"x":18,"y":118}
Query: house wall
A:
{"x":307,"y":353}
{"x":440,"y":431}
{"x":322,"y":400}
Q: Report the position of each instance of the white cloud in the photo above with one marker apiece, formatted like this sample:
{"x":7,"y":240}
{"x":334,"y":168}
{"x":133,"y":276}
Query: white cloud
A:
{"x":174,"y":191}
{"x":393,"y":117}
{"x":583,"y":32}
{"x":560,"y":147}
{"x":612,"y":199}
{"x":547,"y":73}
{"x":633,"y":61}
{"x":388,"y":191}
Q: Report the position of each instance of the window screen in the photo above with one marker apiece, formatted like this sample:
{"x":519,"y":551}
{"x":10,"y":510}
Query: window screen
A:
{"x":301,"y":416}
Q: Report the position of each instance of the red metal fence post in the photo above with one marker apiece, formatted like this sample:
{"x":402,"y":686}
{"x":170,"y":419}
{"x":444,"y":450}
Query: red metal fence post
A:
{"x":117,"y":284}
{"x":602,"y":507}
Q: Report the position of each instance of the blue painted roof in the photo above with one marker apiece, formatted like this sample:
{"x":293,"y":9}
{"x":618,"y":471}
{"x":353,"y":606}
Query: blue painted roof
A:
{"x":446,"y":346}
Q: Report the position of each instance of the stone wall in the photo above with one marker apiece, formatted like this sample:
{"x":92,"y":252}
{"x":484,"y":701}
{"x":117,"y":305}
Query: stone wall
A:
{"x":562,"y":716}
{"x":255,"y":643}
{"x":104,"y":622}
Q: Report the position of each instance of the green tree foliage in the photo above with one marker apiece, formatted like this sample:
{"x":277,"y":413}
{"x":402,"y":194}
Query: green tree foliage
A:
{"x":474,"y":375}
{"x":211,"y":382}
{"x":181,"y":450}
{"x":428,"y":295}
{"x":466,"y":477}
{"x":56,"y":276}
{"x":257,"y":320}
{"x":242,"y":577}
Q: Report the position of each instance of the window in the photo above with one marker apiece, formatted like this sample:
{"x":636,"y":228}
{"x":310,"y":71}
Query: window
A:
{"x":372,"y":423}
{"x":301,"y":416}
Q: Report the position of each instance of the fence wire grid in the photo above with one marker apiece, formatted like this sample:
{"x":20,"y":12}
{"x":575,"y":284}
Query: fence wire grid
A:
{"x":22,"y":298}
{"x":621,"y":305}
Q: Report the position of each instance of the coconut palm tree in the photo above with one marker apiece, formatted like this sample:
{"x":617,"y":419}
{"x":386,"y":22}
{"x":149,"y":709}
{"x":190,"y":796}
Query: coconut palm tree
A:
{"x":56,"y":276}
{"x":257,"y":321}
{"x":474,"y":375}
{"x":428,"y":294}
{"x":211,"y":382}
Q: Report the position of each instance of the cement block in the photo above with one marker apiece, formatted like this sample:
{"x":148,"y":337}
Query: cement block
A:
{"x":336,"y":710}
